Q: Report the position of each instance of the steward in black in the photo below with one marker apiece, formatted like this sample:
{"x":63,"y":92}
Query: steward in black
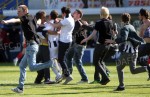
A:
{"x":104,"y":28}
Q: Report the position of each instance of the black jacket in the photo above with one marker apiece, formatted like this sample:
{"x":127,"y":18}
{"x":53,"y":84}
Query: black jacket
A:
{"x":128,"y":33}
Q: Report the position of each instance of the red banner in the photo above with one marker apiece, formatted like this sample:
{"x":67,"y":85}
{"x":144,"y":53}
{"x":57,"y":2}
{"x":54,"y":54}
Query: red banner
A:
{"x":139,"y":3}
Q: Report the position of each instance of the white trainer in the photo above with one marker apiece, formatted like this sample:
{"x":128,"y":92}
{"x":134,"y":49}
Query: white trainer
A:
{"x":82,"y":82}
{"x":17,"y":90}
{"x":59,"y":78}
{"x":15,"y":61}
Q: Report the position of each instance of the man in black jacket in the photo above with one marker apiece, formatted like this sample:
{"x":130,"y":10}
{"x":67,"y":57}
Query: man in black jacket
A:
{"x":104,"y":28}
{"x":77,"y":50}
{"x":28,"y":24}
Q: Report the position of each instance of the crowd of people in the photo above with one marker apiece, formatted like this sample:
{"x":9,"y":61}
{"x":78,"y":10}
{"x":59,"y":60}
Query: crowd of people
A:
{"x":57,"y":43}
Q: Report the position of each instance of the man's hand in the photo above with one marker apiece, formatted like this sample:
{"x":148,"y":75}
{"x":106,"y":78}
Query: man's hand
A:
{"x":4,"y":22}
{"x":84,"y":40}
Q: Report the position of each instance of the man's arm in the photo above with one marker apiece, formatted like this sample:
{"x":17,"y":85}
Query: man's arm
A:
{"x":142,"y":29}
{"x":13,"y":20}
{"x":89,"y":37}
{"x":53,"y":32}
{"x":56,"y":25}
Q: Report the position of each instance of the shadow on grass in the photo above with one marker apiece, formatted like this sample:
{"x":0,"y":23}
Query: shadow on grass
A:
{"x":8,"y":84}
{"x":98,"y":86}
{"x":138,"y":86}
{"x":98,"y":89}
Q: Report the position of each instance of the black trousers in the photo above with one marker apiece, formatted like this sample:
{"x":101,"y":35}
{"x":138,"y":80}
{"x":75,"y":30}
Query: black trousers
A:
{"x":62,"y":50}
{"x":43,"y":56}
{"x":144,"y":49}
{"x":119,"y":3}
{"x":101,"y":53}
{"x":85,"y":2}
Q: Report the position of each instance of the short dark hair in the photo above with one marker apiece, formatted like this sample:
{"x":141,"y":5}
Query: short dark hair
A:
{"x":144,"y":12}
{"x":126,"y":17}
{"x":39,"y":14}
{"x":54,"y":14}
{"x":66,"y":10}
{"x":79,"y":12}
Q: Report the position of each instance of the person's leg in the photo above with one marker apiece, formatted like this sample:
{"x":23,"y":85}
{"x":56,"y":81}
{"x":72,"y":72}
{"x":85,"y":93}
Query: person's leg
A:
{"x":117,"y":3}
{"x":45,"y":58}
{"x":63,"y":47}
{"x":57,"y":70}
{"x":102,"y":67}
{"x":31,"y":59}
{"x":121,"y":3}
{"x":39,"y":78}
{"x":148,"y":68}
{"x":69,"y":58}
{"x":120,"y":64}
{"x":79,"y":51}
{"x":96,"y":59}
{"x":40,"y":73}
{"x":144,"y":50}
{"x":96,"y":74}
{"x":132,"y":58}
{"x":22,"y":66}
{"x":62,"y":50}
{"x":95,"y":63}
{"x":53,"y":49}
{"x":98,"y":53}
{"x":85,"y":2}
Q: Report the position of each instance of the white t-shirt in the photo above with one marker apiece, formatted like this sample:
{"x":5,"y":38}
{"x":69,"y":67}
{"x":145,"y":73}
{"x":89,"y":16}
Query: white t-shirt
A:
{"x":52,"y":37}
{"x":67,"y":29}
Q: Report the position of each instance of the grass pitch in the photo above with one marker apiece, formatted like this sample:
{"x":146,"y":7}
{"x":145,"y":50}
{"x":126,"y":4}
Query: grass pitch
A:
{"x":136,"y":85}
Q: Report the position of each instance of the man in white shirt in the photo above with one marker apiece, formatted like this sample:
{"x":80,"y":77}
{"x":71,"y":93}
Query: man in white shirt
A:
{"x":65,"y":40}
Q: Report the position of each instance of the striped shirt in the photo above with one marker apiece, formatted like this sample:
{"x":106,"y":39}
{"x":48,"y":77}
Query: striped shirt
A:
{"x":128,"y":48}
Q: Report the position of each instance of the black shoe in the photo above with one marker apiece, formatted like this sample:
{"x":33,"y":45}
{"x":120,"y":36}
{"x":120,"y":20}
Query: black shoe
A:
{"x":49,"y":82}
{"x":37,"y":82}
{"x":104,"y":82}
{"x":120,"y":88}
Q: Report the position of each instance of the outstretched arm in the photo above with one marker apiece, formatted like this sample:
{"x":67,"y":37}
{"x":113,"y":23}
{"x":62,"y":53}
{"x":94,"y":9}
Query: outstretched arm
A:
{"x":13,"y":20}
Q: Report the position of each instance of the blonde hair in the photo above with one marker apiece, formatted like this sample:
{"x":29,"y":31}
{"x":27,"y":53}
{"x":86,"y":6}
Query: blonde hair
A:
{"x":104,"y":12}
{"x":23,"y":7}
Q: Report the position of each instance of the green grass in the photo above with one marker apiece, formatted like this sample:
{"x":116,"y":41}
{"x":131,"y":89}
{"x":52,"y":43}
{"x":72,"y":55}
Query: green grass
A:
{"x":136,"y":85}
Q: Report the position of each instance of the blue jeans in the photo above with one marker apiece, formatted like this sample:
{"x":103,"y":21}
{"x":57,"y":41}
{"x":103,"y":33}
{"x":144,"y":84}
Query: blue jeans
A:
{"x":75,"y":54}
{"x":30,"y":59}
